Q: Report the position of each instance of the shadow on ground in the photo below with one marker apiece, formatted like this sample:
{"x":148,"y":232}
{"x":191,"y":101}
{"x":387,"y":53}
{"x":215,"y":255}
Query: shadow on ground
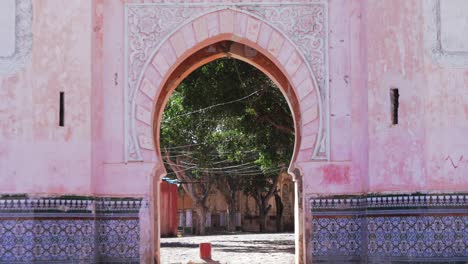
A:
{"x":241,"y":246}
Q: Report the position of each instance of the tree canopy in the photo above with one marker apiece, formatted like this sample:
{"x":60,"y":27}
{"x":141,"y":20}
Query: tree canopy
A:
{"x":228,"y":126}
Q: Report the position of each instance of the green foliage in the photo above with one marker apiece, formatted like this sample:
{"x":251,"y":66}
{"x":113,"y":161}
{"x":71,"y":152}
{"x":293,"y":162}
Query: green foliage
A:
{"x":228,"y":120}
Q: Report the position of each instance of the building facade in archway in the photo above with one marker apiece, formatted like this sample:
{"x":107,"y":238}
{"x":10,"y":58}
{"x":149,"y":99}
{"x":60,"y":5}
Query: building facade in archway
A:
{"x":377,"y":90}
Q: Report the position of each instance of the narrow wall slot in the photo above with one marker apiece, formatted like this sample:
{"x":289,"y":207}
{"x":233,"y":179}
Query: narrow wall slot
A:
{"x":62,"y":110}
{"x":394,"y":104}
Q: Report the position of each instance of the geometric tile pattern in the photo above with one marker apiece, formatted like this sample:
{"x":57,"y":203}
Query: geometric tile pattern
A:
{"x":118,"y":239}
{"x":384,"y":229}
{"x":42,"y":240}
{"x":64,"y":230}
{"x":341,"y":236}
{"x":418,"y":236}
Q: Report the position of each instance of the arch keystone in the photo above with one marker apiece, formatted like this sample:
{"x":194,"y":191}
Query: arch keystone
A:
{"x":212,"y":23}
{"x":241,"y":24}
{"x":226,"y":21}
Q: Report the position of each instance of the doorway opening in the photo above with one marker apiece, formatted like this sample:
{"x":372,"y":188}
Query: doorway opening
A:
{"x":228,"y":150}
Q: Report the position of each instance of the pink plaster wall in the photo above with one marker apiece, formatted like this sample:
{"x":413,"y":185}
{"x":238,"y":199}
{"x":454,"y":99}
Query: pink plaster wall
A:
{"x":78,"y":49}
{"x":111,"y":175}
{"x":373,"y":46}
{"x":36,"y":155}
{"x":428,"y":149}
{"x":346,"y":172}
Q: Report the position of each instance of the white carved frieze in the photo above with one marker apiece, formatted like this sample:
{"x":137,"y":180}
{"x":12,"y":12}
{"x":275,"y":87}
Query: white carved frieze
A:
{"x":149,"y":26}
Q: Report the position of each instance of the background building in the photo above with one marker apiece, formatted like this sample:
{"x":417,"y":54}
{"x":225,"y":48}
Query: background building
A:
{"x":247,"y":211}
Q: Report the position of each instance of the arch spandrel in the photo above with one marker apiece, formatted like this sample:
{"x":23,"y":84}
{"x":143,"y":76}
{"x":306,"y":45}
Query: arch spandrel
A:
{"x":226,"y":23}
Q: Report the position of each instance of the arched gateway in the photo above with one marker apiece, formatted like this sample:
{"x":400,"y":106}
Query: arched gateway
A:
{"x":226,"y":31}
{"x":83,"y":85}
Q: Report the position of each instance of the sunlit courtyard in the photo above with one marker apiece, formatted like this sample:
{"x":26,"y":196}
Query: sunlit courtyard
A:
{"x":231,"y":249}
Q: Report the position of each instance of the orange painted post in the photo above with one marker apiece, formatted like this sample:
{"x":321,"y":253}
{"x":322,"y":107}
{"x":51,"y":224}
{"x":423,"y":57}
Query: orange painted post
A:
{"x":205,"y":250}
{"x":168,"y":210}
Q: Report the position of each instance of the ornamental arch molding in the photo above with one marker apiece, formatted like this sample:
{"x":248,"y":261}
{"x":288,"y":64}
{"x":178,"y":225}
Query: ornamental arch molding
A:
{"x":160,"y":36}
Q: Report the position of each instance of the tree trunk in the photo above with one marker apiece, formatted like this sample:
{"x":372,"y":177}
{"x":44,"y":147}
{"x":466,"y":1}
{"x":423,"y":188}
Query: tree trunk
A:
{"x":198,"y":193}
{"x":279,"y":223}
{"x":279,"y":213}
{"x":262,"y":220}
{"x":231,"y":215}
{"x":201,"y":214}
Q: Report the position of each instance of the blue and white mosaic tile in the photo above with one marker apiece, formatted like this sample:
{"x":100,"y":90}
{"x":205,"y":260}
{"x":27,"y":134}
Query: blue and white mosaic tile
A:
{"x":418,"y":236}
{"x":407,"y":228}
{"x":41,"y":240}
{"x":118,"y":239}
{"x":337,"y":236}
{"x":67,"y":230}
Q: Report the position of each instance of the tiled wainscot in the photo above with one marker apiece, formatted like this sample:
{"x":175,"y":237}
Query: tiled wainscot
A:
{"x":382,"y":229}
{"x":78,"y":230}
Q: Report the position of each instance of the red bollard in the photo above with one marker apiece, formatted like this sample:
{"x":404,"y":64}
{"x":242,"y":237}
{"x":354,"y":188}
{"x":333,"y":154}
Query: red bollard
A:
{"x":205,"y":250}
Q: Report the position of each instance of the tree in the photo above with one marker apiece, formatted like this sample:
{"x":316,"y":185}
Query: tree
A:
{"x":279,"y":212}
{"x":197,"y":186}
{"x":228,"y":124}
{"x":183,"y":157}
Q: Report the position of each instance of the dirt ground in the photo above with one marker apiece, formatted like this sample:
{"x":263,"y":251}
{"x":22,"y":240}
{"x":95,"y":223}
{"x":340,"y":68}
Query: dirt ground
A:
{"x":231,"y":249}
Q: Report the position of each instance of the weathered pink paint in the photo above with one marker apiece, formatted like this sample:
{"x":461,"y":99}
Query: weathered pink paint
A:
{"x":37,"y":156}
{"x":427,"y":150}
{"x":78,"y":48}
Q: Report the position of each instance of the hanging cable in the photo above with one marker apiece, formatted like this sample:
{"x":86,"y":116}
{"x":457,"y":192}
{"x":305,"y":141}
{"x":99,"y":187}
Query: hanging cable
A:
{"x":184,"y":146}
{"x":212,"y":106}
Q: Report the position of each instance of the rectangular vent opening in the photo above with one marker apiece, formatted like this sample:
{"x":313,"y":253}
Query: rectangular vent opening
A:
{"x":394,"y":104}
{"x":62,"y":110}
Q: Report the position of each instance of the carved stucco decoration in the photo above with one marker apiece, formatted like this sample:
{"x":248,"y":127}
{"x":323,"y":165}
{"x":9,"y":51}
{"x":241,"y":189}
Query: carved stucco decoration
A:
{"x":11,"y":64}
{"x":149,"y":25}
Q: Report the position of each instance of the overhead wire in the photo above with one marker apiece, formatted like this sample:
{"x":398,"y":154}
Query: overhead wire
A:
{"x":215,"y":168}
{"x":213,"y":106}
{"x":184,"y":146}
{"x":219,"y":152}
{"x":243,"y":169}
{"x":253,"y":173}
